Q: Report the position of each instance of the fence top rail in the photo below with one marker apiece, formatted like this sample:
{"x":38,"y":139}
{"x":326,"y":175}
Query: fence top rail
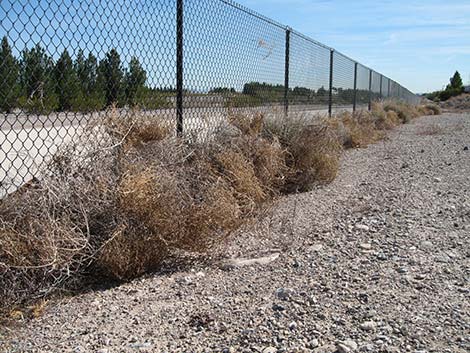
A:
{"x":311,"y":40}
{"x":254,"y":13}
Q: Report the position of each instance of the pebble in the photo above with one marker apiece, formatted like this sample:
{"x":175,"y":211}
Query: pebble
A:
{"x":426,"y":244}
{"x":270,"y":350}
{"x":278,"y":307}
{"x":284,"y":293}
{"x":367,"y":348}
{"x":362,"y":227}
{"x":381,"y":256}
{"x":313,"y":344}
{"x":368,"y":326}
{"x":140,"y":345}
{"x":316,"y":248}
{"x":346,"y":346}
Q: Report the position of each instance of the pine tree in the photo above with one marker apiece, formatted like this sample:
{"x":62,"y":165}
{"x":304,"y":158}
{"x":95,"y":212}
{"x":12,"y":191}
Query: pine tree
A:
{"x":80,"y":70}
{"x":134,"y":81}
{"x":454,"y":88}
{"x":113,"y":76}
{"x":456,"y":81}
{"x":37,"y":79}
{"x":66,"y":82}
{"x":9,"y":75}
{"x":86,"y":70}
{"x":91,"y":72}
{"x":92,"y":96}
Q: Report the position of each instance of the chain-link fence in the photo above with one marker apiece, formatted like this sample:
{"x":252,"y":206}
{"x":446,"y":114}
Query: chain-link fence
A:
{"x":193,"y":62}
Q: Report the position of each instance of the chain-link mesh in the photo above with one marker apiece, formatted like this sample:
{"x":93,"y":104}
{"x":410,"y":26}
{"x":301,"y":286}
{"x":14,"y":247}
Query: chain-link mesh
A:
{"x":362,"y":90}
{"x":343,"y":82}
{"x":309,"y":70}
{"x":193,"y":62}
{"x":375,"y":86}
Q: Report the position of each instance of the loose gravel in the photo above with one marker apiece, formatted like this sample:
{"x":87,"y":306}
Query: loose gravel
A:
{"x":377,"y":261}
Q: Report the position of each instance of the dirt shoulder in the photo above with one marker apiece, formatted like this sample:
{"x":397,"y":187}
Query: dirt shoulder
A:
{"x":377,"y":261}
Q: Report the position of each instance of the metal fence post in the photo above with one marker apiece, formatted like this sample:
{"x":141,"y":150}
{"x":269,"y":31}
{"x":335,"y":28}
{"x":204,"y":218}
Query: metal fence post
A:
{"x":355,"y":87}
{"x":330,"y":97}
{"x":179,"y":67}
{"x":370,"y":89}
{"x":381,"y":79}
{"x":388,"y":95}
{"x":286,"y":73}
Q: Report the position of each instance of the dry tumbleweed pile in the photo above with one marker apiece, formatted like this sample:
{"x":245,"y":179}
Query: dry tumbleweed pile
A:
{"x":119,"y":200}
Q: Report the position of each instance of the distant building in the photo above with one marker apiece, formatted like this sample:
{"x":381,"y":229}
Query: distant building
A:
{"x":466,"y":89}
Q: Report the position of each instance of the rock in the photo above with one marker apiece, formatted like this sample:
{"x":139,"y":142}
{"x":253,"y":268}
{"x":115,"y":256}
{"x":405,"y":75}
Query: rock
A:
{"x":426,"y":244}
{"x":437,"y":180}
{"x":313,"y":344}
{"x":393,"y":350}
{"x":184,"y":280}
{"x":362,"y":227}
{"x":284,"y":293}
{"x":381,"y":256}
{"x":242,"y":262}
{"x":346,"y":346}
{"x":465,"y":148}
{"x":365,"y":246}
{"x":368,"y":326}
{"x":278,"y":307}
{"x":229,"y":350}
{"x":292,"y":326}
{"x":325,"y":349}
{"x":367,"y":348}
{"x":140,"y":345}
{"x":315,"y":248}
{"x":269,"y":350}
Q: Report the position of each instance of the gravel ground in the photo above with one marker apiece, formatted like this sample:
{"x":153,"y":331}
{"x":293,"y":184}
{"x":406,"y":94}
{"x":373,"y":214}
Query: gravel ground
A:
{"x":377,"y":261}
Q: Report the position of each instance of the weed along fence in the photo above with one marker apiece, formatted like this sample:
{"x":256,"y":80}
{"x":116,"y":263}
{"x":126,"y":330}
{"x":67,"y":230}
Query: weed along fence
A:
{"x":191,"y":62}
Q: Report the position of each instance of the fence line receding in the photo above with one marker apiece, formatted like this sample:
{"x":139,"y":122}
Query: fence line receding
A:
{"x":191,"y":62}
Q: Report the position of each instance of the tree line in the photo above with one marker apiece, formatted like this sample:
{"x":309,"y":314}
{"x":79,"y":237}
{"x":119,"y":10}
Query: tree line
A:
{"x":37,"y":83}
{"x":256,"y":93}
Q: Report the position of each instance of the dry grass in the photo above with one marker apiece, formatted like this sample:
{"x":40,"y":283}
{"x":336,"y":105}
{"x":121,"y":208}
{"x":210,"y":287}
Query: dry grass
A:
{"x":405,"y":112}
{"x":356,"y":130}
{"x":128,"y":194}
{"x":429,"y":109}
{"x":312,"y":151}
{"x":250,"y":126}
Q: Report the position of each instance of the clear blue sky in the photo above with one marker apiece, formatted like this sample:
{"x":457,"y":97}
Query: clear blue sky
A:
{"x":418,"y":43}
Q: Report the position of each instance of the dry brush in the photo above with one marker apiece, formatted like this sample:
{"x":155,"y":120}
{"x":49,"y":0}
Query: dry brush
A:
{"x":127,"y":194}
